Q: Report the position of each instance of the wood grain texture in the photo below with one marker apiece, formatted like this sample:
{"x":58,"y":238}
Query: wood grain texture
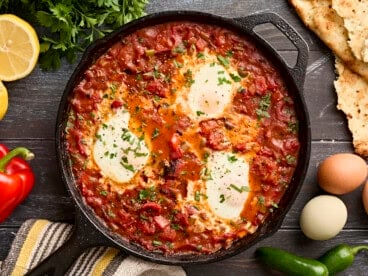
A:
{"x":31,"y":122}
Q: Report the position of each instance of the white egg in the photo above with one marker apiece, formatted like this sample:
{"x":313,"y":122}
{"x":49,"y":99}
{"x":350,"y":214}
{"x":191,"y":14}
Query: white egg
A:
{"x":118,"y":152}
{"x":227,"y":184}
{"x":211,"y":88}
{"x":211,"y":91}
{"x":323,"y":217}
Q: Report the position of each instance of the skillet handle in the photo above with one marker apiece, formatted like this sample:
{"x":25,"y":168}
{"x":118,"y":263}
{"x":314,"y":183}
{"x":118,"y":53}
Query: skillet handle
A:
{"x":84,"y":236}
{"x":299,"y":70}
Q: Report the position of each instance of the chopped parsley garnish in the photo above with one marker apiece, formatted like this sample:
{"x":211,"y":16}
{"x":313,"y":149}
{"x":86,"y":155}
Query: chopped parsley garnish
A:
{"x":156,"y":73}
{"x":197,"y":196}
{"x":232,"y":158}
{"x":156,"y":243}
{"x":261,"y":200}
{"x":205,"y":156}
{"x":188,"y":78}
{"x":177,"y":64}
{"x":129,"y":167}
{"x":147,"y":193}
{"x":104,"y":193}
{"x":155,"y":133}
{"x":178,"y":50}
{"x":98,"y":136}
{"x":222,"y":80}
{"x":290,"y":159}
{"x":241,"y":189}
{"x":200,"y":55}
{"x":206,"y":174}
{"x":175,"y":226}
{"x":229,"y":53}
{"x":143,"y":217}
{"x":263,"y":106}
{"x":293,"y":127}
{"x":126,"y":135}
{"x":222,"y":198}
{"x":235,"y":77}
{"x":274,"y":205}
{"x":113,"y":88}
{"x":199,"y":113}
{"x":223,"y":61}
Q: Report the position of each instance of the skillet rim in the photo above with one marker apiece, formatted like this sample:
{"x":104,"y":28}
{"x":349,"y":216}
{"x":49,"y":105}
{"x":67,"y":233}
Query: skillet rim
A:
{"x":273,"y":221}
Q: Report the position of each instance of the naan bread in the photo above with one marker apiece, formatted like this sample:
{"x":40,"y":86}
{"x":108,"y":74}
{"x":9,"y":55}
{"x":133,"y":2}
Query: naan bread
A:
{"x":352,"y":92}
{"x":355,"y":16}
{"x":321,"y":18}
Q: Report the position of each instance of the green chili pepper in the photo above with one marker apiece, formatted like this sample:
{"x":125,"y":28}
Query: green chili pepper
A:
{"x":290,"y":264}
{"x":340,"y":257}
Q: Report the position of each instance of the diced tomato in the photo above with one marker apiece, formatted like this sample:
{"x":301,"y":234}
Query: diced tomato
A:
{"x":161,"y":221}
{"x":191,"y":210}
{"x":213,"y":131}
{"x":168,"y":234}
{"x":94,"y":201}
{"x":183,"y":218}
{"x":151,"y":206}
{"x":78,"y":138}
{"x":246,"y":103}
{"x":261,"y":85}
{"x":291,"y":145}
{"x":116,"y":104}
{"x":175,"y":150}
{"x":124,"y":217}
{"x":282,"y":112}
{"x":200,"y":44}
{"x":156,"y":87}
{"x":177,"y":166}
{"x":182,"y":124}
{"x":147,"y":227}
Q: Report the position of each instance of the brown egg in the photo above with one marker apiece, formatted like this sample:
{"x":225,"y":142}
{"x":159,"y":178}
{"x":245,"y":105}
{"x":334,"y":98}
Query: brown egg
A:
{"x":342,"y":173}
{"x":365,"y":197}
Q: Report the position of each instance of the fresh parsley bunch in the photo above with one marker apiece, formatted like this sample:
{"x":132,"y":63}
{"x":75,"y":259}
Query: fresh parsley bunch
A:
{"x":69,"y":26}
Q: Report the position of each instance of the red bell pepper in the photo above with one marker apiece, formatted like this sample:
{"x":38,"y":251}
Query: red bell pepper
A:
{"x":16,"y":178}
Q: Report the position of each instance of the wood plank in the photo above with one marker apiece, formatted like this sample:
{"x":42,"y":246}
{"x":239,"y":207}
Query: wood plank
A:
{"x":291,"y":240}
{"x":7,"y":236}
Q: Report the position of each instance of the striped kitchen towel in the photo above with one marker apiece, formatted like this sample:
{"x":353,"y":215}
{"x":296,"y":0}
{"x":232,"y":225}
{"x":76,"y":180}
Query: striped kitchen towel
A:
{"x":36,"y":239}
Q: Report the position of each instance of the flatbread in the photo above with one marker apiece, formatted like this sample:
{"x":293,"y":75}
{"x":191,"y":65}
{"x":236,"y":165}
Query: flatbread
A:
{"x":321,"y":18}
{"x":355,"y":16}
{"x":352,"y":92}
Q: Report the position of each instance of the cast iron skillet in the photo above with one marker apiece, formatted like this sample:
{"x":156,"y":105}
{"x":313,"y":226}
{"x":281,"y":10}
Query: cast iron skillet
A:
{"x":90,"y":231}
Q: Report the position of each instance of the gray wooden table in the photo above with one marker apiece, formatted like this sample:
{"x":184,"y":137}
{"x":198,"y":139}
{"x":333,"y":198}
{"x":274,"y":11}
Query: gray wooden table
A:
{"x":31,"y":118}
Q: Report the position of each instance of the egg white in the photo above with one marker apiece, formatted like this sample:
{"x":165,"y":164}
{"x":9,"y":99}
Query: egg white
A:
{"x":227,"y":184}
{"x":211,"y":89}
{"x":117,"y":151}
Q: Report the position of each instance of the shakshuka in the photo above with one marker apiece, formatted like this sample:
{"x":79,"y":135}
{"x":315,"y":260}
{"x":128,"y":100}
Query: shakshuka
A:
{"x":182,"y":137}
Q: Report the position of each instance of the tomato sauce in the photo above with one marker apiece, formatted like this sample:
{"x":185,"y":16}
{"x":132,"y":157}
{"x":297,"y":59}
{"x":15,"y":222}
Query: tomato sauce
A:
{"x":146,"y":62}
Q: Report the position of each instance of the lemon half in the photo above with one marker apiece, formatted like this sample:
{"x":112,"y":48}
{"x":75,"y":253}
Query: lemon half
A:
{"x":3,"y":100}
{"x":19,"y":48}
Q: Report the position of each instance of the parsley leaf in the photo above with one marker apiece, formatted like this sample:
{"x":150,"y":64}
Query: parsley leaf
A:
{"x":70,"y":26}
{"x":263,"y":106}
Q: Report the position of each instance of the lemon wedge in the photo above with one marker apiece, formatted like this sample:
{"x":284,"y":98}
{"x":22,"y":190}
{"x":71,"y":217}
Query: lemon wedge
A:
{"x":3,"y":100}
{"x":19,"y":48}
